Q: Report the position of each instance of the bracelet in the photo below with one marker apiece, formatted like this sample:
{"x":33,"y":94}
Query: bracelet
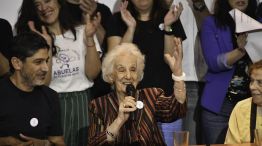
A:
{"x":93,"y":45}
{"x":110,"y":134}
{"x":179,"y":90}
{"x":179,"y":78}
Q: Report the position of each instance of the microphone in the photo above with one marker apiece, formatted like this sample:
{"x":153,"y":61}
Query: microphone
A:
{"x":131,"y":91}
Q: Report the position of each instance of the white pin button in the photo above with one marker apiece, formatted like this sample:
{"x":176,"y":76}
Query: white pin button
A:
{"x":139,"y":104}
{"x":161,"y":26}
{"x":34,"y":122}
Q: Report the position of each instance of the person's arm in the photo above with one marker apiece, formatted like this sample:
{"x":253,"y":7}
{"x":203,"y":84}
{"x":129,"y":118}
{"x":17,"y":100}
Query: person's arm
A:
{"x":90,"y":7}
{"x":171,"y":17}
{"x":217,"y":57}
{"x":92,"y":59}
{"x":57,"y":140}
{"x":171,"y":108}
{"x":233,"y":56}
{"x":100,"y":33}
{"x":97,"y":128}
{"x":12,"y":141}
{"x":131,"y":26}
{"x":98,"y":132}
{"x":26,"y":141}
{"x":4,"y":65}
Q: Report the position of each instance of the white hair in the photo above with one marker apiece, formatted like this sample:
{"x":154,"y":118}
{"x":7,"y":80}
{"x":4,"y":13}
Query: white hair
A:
{"x":124,"y":48}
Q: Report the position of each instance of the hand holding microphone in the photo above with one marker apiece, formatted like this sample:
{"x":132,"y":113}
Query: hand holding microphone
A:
{"x":131,"y":91}
{"x":128,"y":105}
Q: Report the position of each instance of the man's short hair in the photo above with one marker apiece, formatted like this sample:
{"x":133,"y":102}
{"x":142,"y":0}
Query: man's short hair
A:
{"x":25,"y":45}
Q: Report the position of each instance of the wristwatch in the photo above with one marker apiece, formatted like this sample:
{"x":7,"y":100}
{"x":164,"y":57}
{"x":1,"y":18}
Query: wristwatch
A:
{"x":167,"y":31}
{"x":199,"y":5}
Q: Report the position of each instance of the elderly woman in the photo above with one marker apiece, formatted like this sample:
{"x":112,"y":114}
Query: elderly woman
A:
{"x":247,"y":114}
{"x":117,"y":118}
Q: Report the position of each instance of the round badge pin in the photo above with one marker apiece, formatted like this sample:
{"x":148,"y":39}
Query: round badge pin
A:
{"x":34,"y":122}
{"x":139,"y":104}
{"x":161,"y":26}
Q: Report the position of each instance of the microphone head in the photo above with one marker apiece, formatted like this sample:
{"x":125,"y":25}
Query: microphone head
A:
{"x":130,"y":90}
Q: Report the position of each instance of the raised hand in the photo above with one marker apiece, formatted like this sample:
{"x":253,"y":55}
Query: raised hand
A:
{"x":88,"y":7}
{"x":174,"y":59}
{"x":92,"y":24}
{"x":173,"y":14}
{"x":126,"y":15}
{"x":36,"y":142}
{"x":44,"y":33}
{"x":127,"y":106}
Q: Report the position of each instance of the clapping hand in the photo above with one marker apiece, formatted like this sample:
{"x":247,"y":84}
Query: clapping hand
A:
{"x":88,"y":7}
{"x":92,"y":24}
{"x":173,"y":14}
{"x":126,"y":15}
{"x":44,"y":33}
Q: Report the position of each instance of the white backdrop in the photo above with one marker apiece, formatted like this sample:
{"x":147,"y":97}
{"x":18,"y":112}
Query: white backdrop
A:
{"x":9,"y":8}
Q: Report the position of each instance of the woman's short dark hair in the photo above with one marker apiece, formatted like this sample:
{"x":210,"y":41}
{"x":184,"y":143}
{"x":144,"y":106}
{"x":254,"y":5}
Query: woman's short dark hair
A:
{"x":25,"y":45}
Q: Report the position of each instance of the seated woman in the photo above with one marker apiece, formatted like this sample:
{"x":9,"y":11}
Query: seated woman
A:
{"x":120,"y":119}
{"x":247,"y":114}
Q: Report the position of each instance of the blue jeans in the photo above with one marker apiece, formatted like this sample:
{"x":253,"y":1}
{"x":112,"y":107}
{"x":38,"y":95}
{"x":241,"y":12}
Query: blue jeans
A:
{"x":168,"y":130}
{"x":214,"y":127}
{"x":215,"y":124}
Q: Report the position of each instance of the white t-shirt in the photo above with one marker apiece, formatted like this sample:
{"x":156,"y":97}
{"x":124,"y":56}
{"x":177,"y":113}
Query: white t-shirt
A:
{"x":68,"y":68}
{"x":189,"y":23}
{"x":193,"y":61}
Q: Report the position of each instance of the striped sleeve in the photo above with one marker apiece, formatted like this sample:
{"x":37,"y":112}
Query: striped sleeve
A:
{"x":96,"y":130}
{"x":168,"y":109}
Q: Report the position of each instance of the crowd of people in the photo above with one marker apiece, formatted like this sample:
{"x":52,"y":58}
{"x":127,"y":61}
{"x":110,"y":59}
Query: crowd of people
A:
{"x":74,"y":73}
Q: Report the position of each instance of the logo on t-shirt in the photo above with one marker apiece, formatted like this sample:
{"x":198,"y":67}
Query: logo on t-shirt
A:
{"x":67,"y":63}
